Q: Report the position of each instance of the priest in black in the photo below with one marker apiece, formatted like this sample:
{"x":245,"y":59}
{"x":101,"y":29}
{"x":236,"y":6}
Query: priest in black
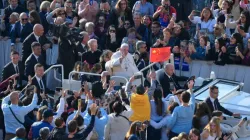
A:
{"x":93,"y":55}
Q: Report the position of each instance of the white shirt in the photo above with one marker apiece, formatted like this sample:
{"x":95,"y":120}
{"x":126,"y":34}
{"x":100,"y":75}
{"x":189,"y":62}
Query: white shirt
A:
{"x":11,"y":124}
{"x":127,"y":65}
{"x":38,"y":80}
{"x":83,"y":46}
{"x":36,"y":56}
{"x":212,"y":100}
{"x":37,"y":37}
{"x":15,"y":67}
{"x":205,"y":25}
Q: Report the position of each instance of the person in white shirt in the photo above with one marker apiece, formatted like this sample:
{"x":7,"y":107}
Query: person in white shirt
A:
{"x":14,"y":114}
{"x":123,"y":63}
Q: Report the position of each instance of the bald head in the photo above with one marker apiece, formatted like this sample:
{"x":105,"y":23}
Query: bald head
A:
{"x":14,"y":97}
{"x":169,"y":68}
{"x":38,"y":29}
{"x":23,"y":18}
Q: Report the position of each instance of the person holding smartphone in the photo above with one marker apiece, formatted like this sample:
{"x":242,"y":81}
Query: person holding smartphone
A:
{"x":88,"y":9}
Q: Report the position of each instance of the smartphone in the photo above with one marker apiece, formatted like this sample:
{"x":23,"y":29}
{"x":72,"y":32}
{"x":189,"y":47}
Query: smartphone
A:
{"x":79,"y":102}
{"x":97,"y":101}
{"x":58,"y":89}
{"x":91,"y":2}
{"x":11,"y":84}
{"x":138,"y":76}
{"x":245,"y":119}
{"x":107,"y":79}
{"x":241,"y":27}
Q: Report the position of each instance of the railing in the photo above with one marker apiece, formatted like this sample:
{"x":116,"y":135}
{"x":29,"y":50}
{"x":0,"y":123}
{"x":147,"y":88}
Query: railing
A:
{"x":93,"y":74}
{"x":22,"y":95}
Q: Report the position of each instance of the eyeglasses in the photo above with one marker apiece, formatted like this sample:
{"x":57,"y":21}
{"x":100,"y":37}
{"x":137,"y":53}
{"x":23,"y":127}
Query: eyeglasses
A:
{"x":126,"y":23}
{"x":23,"y":19}
{"x":112,"y":31}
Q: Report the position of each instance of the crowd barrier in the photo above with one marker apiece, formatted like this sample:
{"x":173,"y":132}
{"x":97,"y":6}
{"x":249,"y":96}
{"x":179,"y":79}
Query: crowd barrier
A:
{"x":76,"y":85}
{"x":230,"y":72}
{"x":5,"y":49}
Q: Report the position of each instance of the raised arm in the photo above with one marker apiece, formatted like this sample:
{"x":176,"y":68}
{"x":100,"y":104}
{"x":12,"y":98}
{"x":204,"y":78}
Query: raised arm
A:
{"x":230,"y":24}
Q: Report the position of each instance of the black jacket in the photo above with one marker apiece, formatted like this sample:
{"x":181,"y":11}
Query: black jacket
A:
{"x":30,"y":63}
{"x":8,"y":11}
{"x":166,"y":83}
{"x":218,"y":105}
{"x":26,"y":49}
{"x":22,"y":34}
{"x":85,"y":133}
{"x":57,"y":134}
{"x":9,"y":70}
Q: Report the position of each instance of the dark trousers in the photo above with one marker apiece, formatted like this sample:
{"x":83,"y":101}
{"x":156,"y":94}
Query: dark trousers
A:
{"x":153,"y":134}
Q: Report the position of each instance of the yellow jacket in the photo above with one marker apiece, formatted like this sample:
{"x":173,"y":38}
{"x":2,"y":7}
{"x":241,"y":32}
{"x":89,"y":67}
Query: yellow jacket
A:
{"x":141,"y":106}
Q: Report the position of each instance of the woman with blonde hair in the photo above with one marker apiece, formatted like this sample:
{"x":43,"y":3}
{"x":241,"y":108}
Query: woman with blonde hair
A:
{"x":134,"y":131}
{"x":212,"y":131}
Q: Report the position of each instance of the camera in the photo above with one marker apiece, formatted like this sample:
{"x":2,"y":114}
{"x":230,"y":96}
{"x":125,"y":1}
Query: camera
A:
{"x":166,"y":7}
{"x":72,"y":34}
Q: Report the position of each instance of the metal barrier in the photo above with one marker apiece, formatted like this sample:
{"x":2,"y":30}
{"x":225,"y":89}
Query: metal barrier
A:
{"x":22,"y":95}
{"x":117,"y":79}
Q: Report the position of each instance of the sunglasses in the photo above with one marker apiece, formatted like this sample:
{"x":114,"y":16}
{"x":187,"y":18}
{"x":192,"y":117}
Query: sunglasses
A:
{"x":127,"y":23}
{"x":23,"y":19}
{"x":112,"y":31}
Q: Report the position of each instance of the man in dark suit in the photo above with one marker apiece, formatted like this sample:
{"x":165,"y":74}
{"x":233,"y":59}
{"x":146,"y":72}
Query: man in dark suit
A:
{"x":36,"y":36}
{"x":22,"y":29}
{"x":14,"y":67}
{"x":82,"y":47}
{"x":9,"y":28}
{"x":39,"y":82}
{"x":33,"y":59}
{"x":214,"y":104}
{"x":168,"y":79}
{"x":13,"y":7}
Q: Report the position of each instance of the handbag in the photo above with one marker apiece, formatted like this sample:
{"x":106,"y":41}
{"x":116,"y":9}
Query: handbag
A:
{"x":15,"y":116}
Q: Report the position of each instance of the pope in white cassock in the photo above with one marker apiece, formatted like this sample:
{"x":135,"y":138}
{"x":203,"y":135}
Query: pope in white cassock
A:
{"x":123,"y":63}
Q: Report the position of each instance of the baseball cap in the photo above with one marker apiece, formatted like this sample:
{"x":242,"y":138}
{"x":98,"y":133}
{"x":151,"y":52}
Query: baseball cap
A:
{"x":48,"y":113}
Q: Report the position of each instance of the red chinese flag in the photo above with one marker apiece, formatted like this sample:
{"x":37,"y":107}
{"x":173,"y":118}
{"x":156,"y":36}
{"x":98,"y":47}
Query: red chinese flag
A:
{"x":159,"y":54}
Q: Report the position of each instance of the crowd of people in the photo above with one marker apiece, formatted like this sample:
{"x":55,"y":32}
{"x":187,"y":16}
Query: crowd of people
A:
{"x":113,"y":38}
